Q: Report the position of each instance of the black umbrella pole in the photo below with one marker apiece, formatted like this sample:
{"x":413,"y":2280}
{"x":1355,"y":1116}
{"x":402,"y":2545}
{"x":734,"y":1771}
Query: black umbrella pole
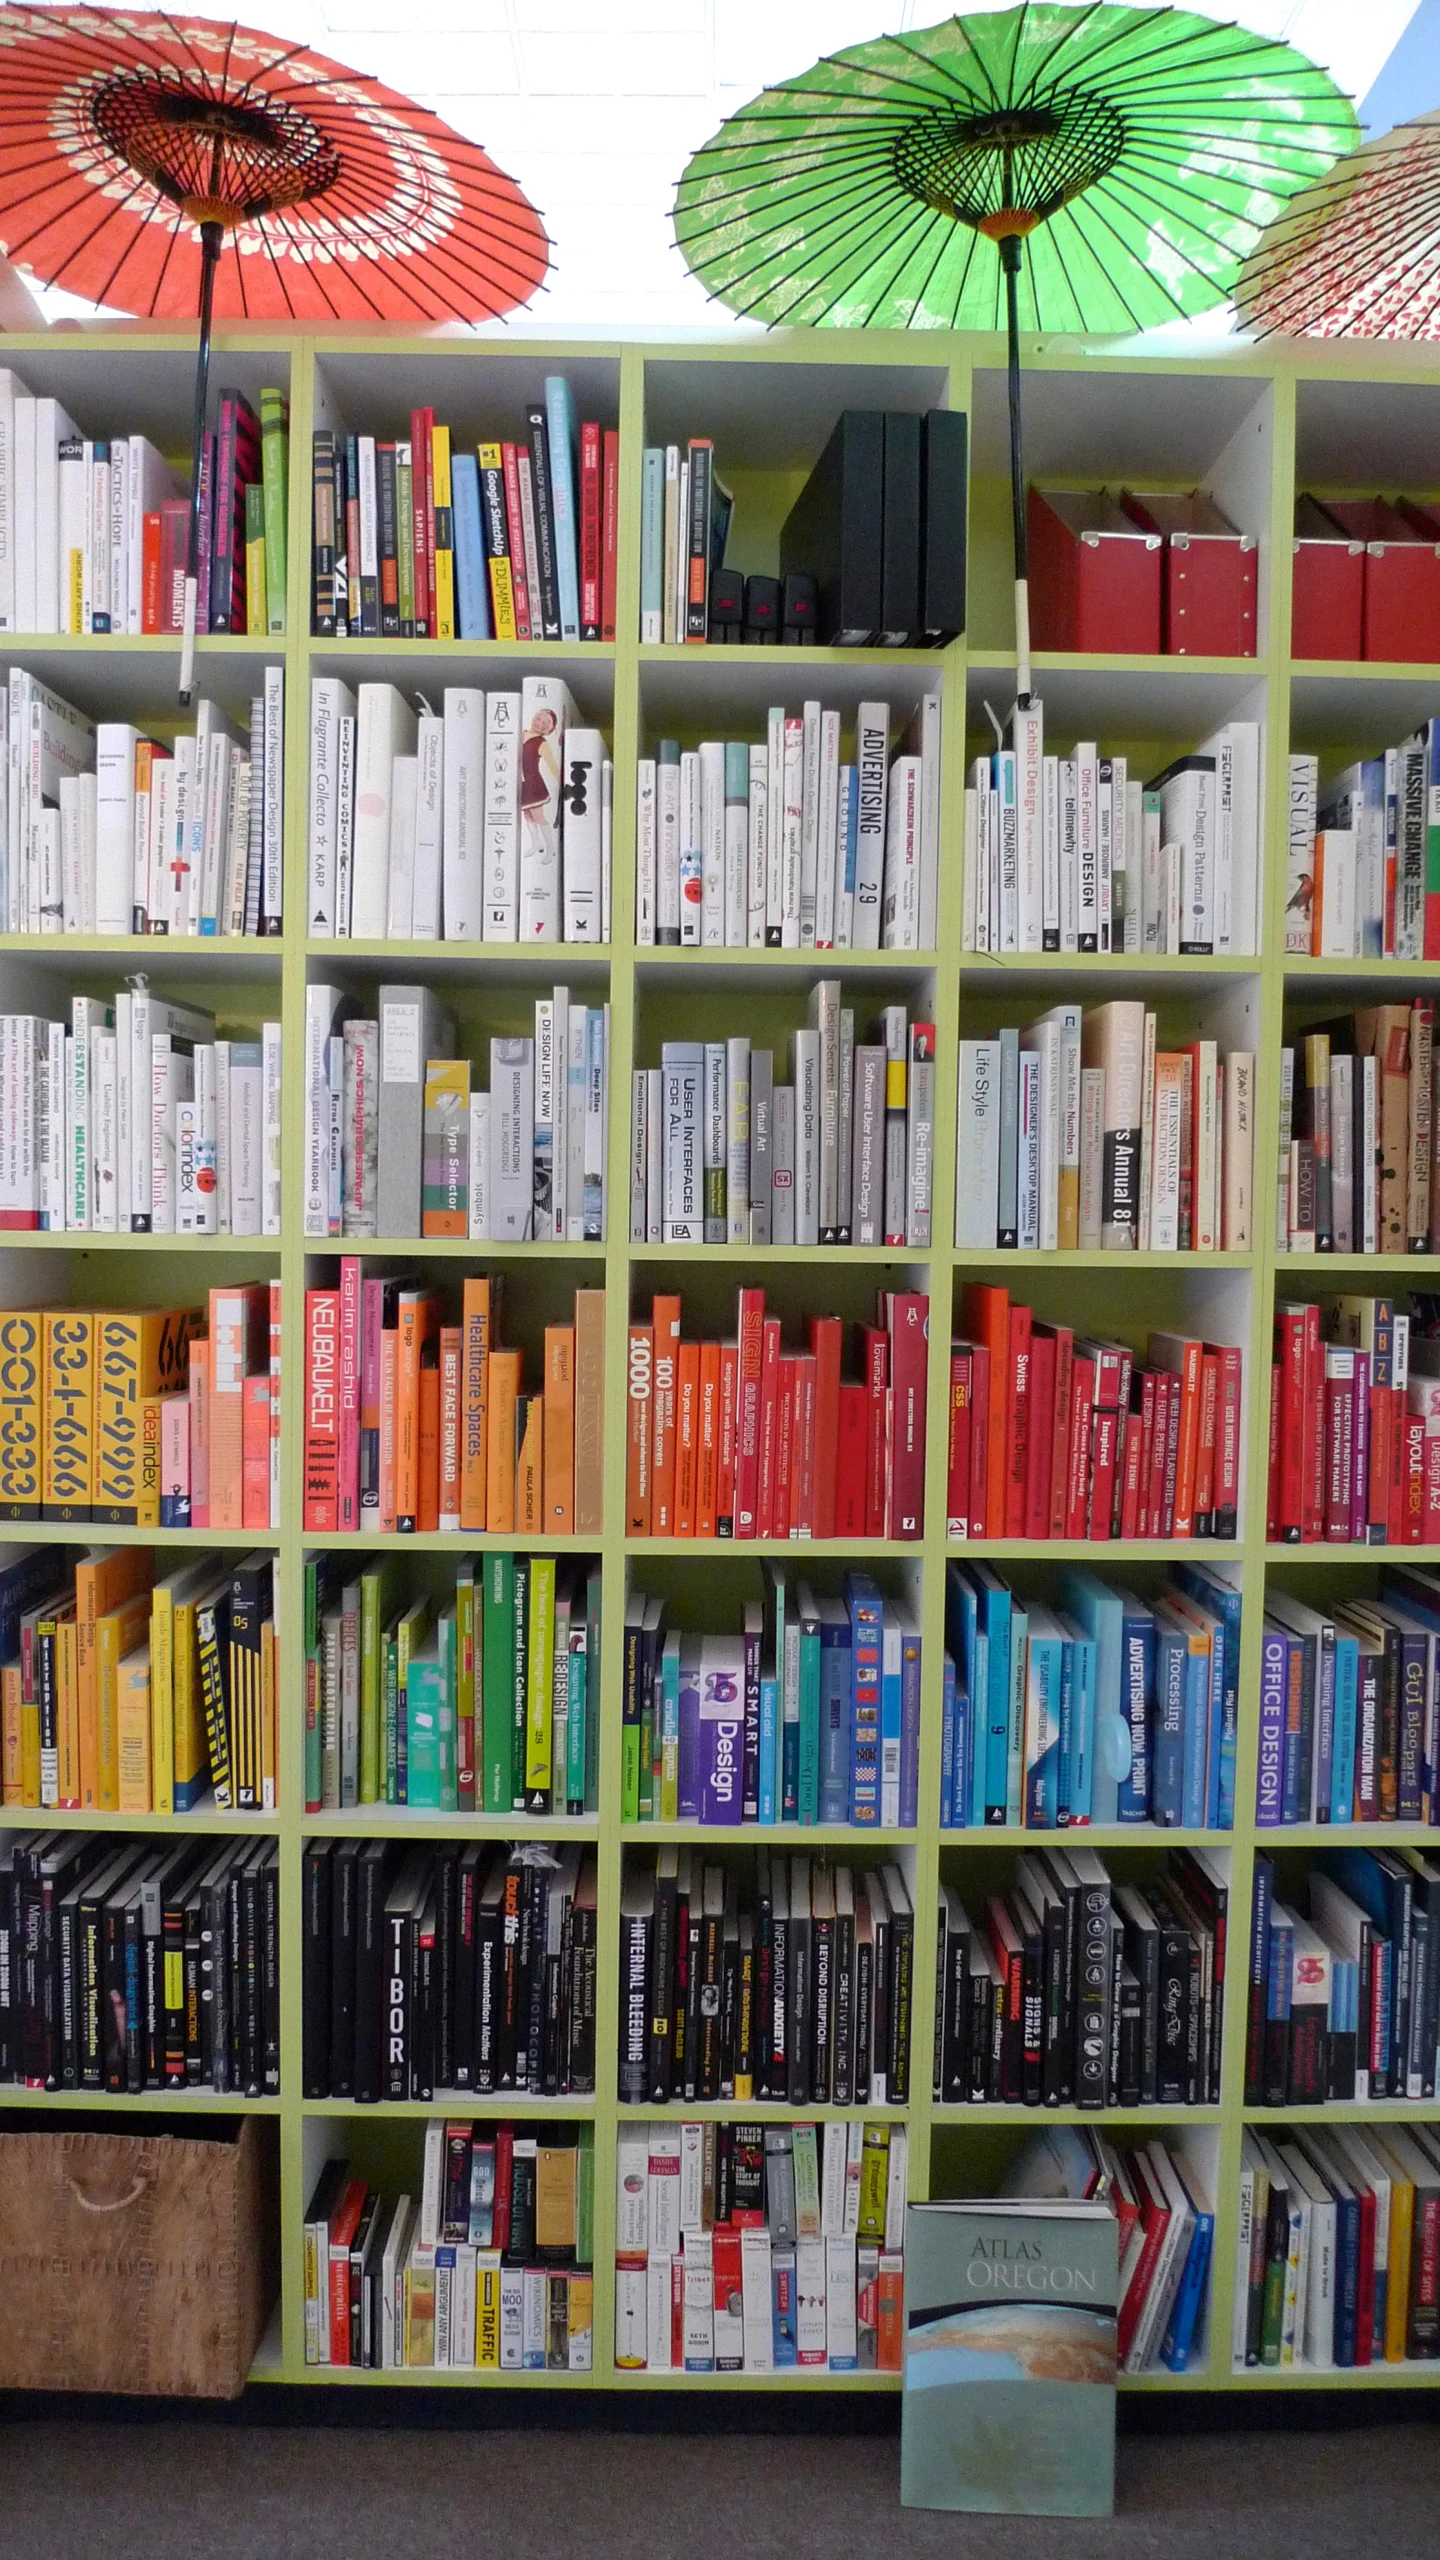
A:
{"x":1011,"y":252}
{"x":212,"y":240}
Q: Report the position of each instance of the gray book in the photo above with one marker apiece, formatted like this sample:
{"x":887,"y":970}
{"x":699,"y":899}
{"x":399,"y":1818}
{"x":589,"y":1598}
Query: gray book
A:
{"x":824,"y":1022}
{"x":682,"y":1069}
{"x":782,"y":1165}
{"x":867,"y":1149}
{"x":761,"y":1123}
{"x":1007,"y":1224}
{"x":716,"y":1131}
{"x":512,"y":1141}
{"x":920,"y":1139}
{"x":808,"y":1110}
{"x":413,"y":1027}
{"x":846,"y":1130}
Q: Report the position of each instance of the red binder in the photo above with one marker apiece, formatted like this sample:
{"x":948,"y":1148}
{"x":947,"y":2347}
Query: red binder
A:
{"x":1094,"y":576}
{"x":1327,"y":597}
{"x":1402,"y":579}
{"x":1207,"y":590}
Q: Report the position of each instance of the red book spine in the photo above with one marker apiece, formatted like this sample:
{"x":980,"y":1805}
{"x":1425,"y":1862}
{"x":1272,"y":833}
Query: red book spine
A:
{"x":1365,"y":2316}
{"x":1130,"y":1501}
{"x":1060,"y":1427}
{"x":1313,"y":1413}
{"x":421,"y":521}
{"x":1272,"y":1477}
{"x":1395,"y":1533}
{"x":1414,"y":1480}
{"x":1230,"y":1372}
{"x":1431,"y":1527}
{"x":850,"y":1461}
{"x":1040,"y":1453}
{"x":1102,"y":1472}
{"x":610,"y":531}
{"x":802,"y":1465}
{"x":1149,"y":1393}
{"x":909,"y":1327}
{"x":957,"y":1463}
{"x":827,"y":1342}
{"x":322,"y":1410}
{"x":1339,"y":1439}
{"x":1155,"y":1457}
{"x":510,"y":466}
{"x":769,"y":1417}
{"x":747,"y":1442}
{"x":1082,"y":1408}
{"x":725,"y":1462}
{"x":979,"y":1438}
{"x":150,"y":576}
{"x":349,"y":1459}
{"x":1290,"y":1352}
{"x":1017,"y":1424}
{"x":1172,"y":1456}
{"x":784,"y":1446}
{"x":875,"y":1355}
{"x":590,"y":543}
{"x":1377,"y":1493}
{"x":1122,"y":1409}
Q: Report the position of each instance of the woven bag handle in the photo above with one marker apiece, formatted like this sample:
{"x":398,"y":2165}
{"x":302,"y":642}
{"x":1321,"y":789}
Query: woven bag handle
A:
{"x":117,"y":2204}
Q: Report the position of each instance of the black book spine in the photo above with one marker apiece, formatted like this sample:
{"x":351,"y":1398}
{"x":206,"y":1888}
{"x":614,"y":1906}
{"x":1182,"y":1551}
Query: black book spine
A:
{"x":900,"y":540}
{"x":7,"y":1976}
{"x":1128,"y":2076}
{"x":538,"y":1887}
{"x":1174,"y":2016}
{"x":1032,"y":1997}
{"x":1092,"y":2029}
{"x":1117,"y":1967}
{"x":422,"y":2064}
{"x":797,"y":2022}
{"x":554,"y":2004}
{"x":710,"y":2056}
{"x":193,"y":2057}
{"x":112,"y":2008}
{"x":395,"y":2051}
{"x":690,"y":2046}
{"x":864,"y":2018}
{"x":583,"y":2001}
{"x":252,"y":2064}
{"x":843,"y":2040}
{"x":822,"y":1982}
{"x":1052,"y":2064}
{"x":882,"y":1982}
{"x":508,"y":2011}
{"x":955,"y":2013}
{"x":487,"y":1994}
{"x":982,"y":2010}
{"x":315,"y":1968}
{"x":133,"y":1961}
{"x":69,"y":1995}
{"x":662,"y":1974}
{"x":943,"y":512}
{"x":387,"y":510}
{"x":544,"y":524}
{"x":270,"y":1976}
{"x":467,"y":1881}
{"x":729,"y":2018}
{"x":445,"y":1893}
{"x":634,"y":2010}
{"x":342,"y":1970}
{"x":205,"y":1970}
{"x":322,"y":556}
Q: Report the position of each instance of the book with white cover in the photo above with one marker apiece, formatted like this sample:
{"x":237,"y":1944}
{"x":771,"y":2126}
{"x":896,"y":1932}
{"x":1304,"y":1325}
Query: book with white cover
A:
{"x":872,"y":751}
{"x":429,"y":859}
{"x":682,"y":1069}
{"x":384,"y":729}
{"x":737,"y":843}
{"x":900,"y":910}
{"x":400,"y":868}
{"x":53,"y":427}
{"x":512,"y":1140}
{"x":115,"y":745}
{"x":462,"y":804}
{"x":712,"y":842}
{"x":581,"y":847}
{"x":11,"y":388}
{"x":330,"y":702}
{"x":501,"y":824}
{"x":645,"y":852}
{"x":806,"y":1049}
{"x":547,"y":710}
{"x":977,"y":1145}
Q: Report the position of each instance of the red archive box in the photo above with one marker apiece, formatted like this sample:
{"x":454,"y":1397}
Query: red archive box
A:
{"x":1327,"y":597}
{"x":1207,"y":588}
{"x":1094,"y":576}
{"x":1402,"y":579}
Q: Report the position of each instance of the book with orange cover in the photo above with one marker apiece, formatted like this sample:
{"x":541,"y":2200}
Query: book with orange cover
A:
{"x":117,"y":1633}
{"x":451,"y":1340}
{"x":478,"y":1319}
{"x":665,"y":1322}
{"x":725,"y":1463}
{"x":103,"y":1581}
{"x":322,"y":1411}
{"x":530,"y":1471}
{"x":559,"y":1482}
{"x":427,"y":1484}
{"x":419,"y":1322}
{"x":198,"y":1389}
{"x":15,"y":1777}
{"x":707,"y":1440}
{"x":256,"y":1427}
{"x":687,"y":1437}
{"x":639,"y":1424}
{"x":389,"y":1368}
{"x":504,"y":1396}
{"x":1179,"y":1355}
{"x":239,"y":1349}
{"x":589,"y":1411}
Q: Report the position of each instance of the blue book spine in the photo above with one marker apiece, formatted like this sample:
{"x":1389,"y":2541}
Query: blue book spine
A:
{"x":1347,"y":1695}
{"x":687,"y":1791}
{"x":1065,"y":1771}
{"x":1281,"y":1964}
{"x":979,"y":1733}
{"x":1197,"y":1735}
{"x":961,"y":1795}
{"x":1086,"y":1671}
{"x":1270,"y":1772}
{"x":849,"y":824}
{"x":1042,"y":1733}
{"x":909,"y":1729}
{"x":174,"y":1510}
{"x":808,"y":1784}
{"x":472,"y":599}
{"x":891,"y":1724}
{"x":1347,"y":2278}
{"x":1181,"y":2330}
{"x":863,"y":1599}
{"x":1172,"y":1665}
{"x":834,"y":1720}
{"x":560,"y":433}
{"x":1215,"y":1743}
{"x":422,"y":1735}
{"x":997,"y":1727}
{"x":1324,"y":1728}
{"x":769,"y":1715}
{"x":947,"y":1746}
{"x":1293,"y":1806}
{"x":1137,"y":1706}
{"x":652,"y":542}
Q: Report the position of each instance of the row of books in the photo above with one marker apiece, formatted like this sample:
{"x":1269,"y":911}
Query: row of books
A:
{"x":1077,"y":1132}
{"x":1357,"y":1135}
{"x":415,"y":539}
{"x":133,"y":1119}
{"x":142,"y":1417}
{"x":842,"y":1154}
{"x":1073,"y":1989}
{"x":93,"y":530}
{"x":485,"y":1703}
{"x":810,"y":1714}
{"x":1336,"y":2243}
{"x":1108,"y":1709}
{"x":782,"y":846}
{"x":487,"y":2269}
{"x":123,"y":1694}
{"x":1358,"y":855}
{"x":1344,"y":2004}
{"x":685,"y":517}
{"x":136,"y":1965}
{"x":748,"y":2248}
{"x":445,"y":1968}
{"x":1067,"y":853}
{"x":488,"y":821}
{"x":743,"y":1439}
{"x":1165,"y":2231}
{"x":396,"y":1153}
{"x":1059,"y":1435}
{"x":1354,"y":1423}
{"x":1350,"y":1706}
{"x":109,"y":831}
{"x":805,"y":1994}
{"x":416,"y":1419}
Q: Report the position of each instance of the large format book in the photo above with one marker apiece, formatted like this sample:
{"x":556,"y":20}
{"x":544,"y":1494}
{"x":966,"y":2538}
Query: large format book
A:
{"x":413,"y":1029}
{"x":834,"y":530}
{"x":1009,"y":2405}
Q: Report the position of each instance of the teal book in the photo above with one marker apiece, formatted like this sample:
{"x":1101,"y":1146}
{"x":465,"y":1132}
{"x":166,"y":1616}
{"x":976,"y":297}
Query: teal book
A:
{"x":1009,"y":2387}
{"x":424,"y":1720}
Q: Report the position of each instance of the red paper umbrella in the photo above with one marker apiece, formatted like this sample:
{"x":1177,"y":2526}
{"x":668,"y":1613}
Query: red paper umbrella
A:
{"x":132,"y":144}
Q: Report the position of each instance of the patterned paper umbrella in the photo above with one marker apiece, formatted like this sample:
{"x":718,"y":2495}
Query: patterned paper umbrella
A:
{"x":1358,"y":254}
{"x":132,"y":144}
{"x":1119,"y":164}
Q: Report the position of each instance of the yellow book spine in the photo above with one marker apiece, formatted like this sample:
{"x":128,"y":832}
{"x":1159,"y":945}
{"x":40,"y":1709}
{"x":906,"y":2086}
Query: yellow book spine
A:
{"x":22,"y":1414}
{"x":12,"y":1746}
{"x":67,"y":1675}
{"x":68,"y":1477}
{"x":30,"y":1752}
{"x":107,"y":1732}
{"x":255,"y":622}
{"x":1397,"y":2294}
{"x":269,"y":1719}
{"x":152,"y":1439}
{"x":132,"y":1731}
{"x":162,"y":1704}
{"x":487,"y":2311}
{"x":129,"y":1344}
{"x":444,"y":534}
{"x":192,"y":1755}
{"x":75,"y":595}
{"x":540,"y":1674}
{"x":502,"y":582}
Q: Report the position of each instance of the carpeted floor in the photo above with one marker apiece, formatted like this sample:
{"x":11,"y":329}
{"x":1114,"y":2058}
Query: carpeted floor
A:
{"x":175,"y":2490}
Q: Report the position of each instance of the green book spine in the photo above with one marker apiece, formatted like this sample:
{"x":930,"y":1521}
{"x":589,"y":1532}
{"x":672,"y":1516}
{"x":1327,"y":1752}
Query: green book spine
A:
{"x":575,"y":1725}
{"x":520,"y":1684}
{"x":497,"y":1696}
{"x":313,"y":1676}
{"x":390,"y":1708}
{"x":465,"y":1684}
{"x":424,"y":1715}
{"x":448,"y":1713}
{"x":630,"y":1730}
{"x":592,"y":1691}
{"x":369,"y":1688}
{"x":647,"y":1759}
{"x":540,"y":1684}
{"x":275,"y":473}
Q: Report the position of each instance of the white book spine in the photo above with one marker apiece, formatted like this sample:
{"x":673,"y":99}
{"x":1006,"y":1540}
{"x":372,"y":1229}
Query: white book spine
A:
{"x":224,"y":1214}
{"x":737,"y":847}
{"x":465,"y":788}
{"x":792,"y":837}
{"x":55,"y":1170}
{"x":1028,"y":739}
{"x":872,"y":752}
{"x":682,"y":1072}
{"x":654,"y":1155}
{"x":900,"y":911}
{"x":827,"y":885}
{"x":560,"y":1181}
{"x":512,"y":1140}
{"x":639,"y":1104}
{"x":757,"y":851}
{"x":480,"y":1167}
{"x":809,"y":821}
{"x":646,"y":880}
{"x":582,"y":853}
{"x":1087,"y":847}
{"x":712,"y":843}
{"x":344,"y":824}
{"x":427,"y":870}
{"x":774,"y":826}
{"x":806,"y":1046}
{"x":691,"y":849}
{"x":272,"y":1072}
{"x":977,"y":1146}
{"x":737,"y":1141}
{"x":667,"y":849}
{"x":328,"y":698}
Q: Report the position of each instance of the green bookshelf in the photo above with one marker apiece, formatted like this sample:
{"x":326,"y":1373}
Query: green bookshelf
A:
{"x":1253,"y":424}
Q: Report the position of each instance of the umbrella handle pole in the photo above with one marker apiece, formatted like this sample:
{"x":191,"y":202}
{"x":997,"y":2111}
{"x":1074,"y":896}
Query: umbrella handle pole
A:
{"x":1012,"y":251}
{"x":212,"y":240}
{"x":1022,"y":643}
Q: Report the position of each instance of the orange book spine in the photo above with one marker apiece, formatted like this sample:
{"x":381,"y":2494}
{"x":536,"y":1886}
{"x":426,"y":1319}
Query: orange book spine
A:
{"x":504,"y":1397}
{"x":451,"y":1356}
{"x":101,"y":1583}
{"x":559,"y":1430}
{"x":729,"y":1425}
{"x":276,"y":1302}
{"x":232,"y":1323}
{"x":256,"y":1428}
{"x":665,"y":1314}
{"x":12,"y":1759}
{"x":322,"y":1413}
{"x":199,"y":1391}
{"x":639,"y":1425}
{"x":427,"y":1442}
{"x":389,"y":1346}
{"x":530,"y":1473}
{"x":589,"y":1411}
{"x":476,"y":1321}
{"x":707,"y":1462}
{"x":1184,"y":1522}
{"x":687,"y":1437}
{"x":417,"y":1319}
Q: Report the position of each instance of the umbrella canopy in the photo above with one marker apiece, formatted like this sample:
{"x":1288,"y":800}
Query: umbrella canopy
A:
{"x":122,"y":133}
{"x":1357,"y":255}
{"x":1096,"y":168}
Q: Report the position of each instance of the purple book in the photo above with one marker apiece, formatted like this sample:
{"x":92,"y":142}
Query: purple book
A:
{"x":1274,"y":1683}
{"x":721,"y":1713}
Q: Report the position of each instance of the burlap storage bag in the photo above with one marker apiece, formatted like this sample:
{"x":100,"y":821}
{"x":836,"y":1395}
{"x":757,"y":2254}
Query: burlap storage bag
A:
{"x":136,"y":2261}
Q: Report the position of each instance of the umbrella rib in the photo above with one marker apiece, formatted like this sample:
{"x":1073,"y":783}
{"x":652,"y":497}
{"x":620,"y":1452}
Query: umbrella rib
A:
{"x":1079,"y":19}
{"x":957,"y":87}
{"x":786,"y":211}
{"x":819,"y":239}
{"x":444,"y":253}
{"x":131,"y":245}
{"x":1092,"y":205}
{"x":814,"y":281}
{"x":107,"y":215}
{"x":905,"y":253}
{"x":1112,"y":186}
{"x":13,"y":248}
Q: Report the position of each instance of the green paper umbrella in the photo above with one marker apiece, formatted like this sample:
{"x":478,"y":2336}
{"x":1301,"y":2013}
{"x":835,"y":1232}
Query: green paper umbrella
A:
{"x":1092,"y":168}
